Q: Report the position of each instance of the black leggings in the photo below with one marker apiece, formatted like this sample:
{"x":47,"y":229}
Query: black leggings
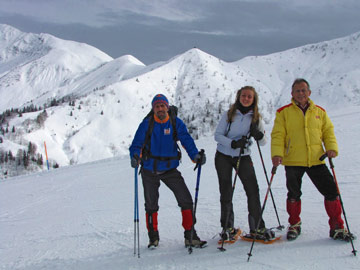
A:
{"x":173,"y":180}
{"x":224,"y":166}
{"x":319,"y":175}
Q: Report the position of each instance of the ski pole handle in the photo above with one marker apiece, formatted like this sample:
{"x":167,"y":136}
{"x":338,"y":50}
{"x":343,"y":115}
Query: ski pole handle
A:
{"x":323,"y":157}
{"x":198,"y":164}
{"x":330,"y":160}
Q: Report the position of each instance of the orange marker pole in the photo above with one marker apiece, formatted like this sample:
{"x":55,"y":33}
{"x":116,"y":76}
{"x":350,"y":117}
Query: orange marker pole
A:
{"x":47,"y":160}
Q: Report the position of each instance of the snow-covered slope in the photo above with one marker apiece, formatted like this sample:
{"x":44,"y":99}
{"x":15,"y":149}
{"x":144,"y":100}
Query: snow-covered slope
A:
{"x":82,"y":217}
{"x":331,"y":67}
{"x":110,"y":98}
{"x":119,"y":69}
{"x":34,"y":66}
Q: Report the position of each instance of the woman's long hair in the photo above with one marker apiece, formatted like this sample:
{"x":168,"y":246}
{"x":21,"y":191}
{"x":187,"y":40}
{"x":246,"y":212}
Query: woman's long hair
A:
{"x":235,"y":106}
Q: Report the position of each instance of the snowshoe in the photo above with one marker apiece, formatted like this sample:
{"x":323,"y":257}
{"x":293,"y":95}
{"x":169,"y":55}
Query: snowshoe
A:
{"x":229,"y":236}
{"x":264,"y":236}
{"x":294,"y":231}
{"x":341,"y":234}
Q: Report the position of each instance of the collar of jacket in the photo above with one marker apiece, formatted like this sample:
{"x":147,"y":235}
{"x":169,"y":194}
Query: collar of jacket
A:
{"x":250,"y":112}
{"x":310,"y":102}
{"x":158,"y":120}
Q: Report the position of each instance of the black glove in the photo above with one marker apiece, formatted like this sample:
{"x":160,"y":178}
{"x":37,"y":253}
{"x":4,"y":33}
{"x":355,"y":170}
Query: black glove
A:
{"x":200,"y":158}
{"x":239,"y":143}
{"x":255,"y":132}
{"x":135,"y":161}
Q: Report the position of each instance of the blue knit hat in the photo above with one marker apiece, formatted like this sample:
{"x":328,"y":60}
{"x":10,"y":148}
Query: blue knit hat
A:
{"x":159,"y":98}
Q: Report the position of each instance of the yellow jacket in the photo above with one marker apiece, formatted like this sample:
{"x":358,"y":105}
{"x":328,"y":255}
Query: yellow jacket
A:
{"x":299,"y":138}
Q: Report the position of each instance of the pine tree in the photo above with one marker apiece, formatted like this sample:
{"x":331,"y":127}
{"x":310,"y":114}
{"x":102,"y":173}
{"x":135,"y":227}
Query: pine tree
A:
{"x":10,"y":155}
{"x":2,"y":156}
{"x":40,"y":160}
{"x":31,"y":149}
{"x":19,"y":157}
{"x":41,"y":118}
{"x":53,"y":102}
{"x":25,"y":159}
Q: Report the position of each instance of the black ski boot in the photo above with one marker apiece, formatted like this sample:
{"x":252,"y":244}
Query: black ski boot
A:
{"x":229,"y":235}
{"x":196,"y":242}
{"x":153,"y":239}
{"x":294,"y":231}
{"x":263,"y":234}
{"x":341,"y":234}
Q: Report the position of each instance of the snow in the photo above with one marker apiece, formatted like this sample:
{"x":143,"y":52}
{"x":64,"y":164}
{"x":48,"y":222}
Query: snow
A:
{"x":34,"y":66}
{"x":81,"y":216}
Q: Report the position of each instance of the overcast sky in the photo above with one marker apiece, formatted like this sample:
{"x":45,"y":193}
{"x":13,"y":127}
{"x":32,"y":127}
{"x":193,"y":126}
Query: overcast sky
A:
{"x":156,"y":30}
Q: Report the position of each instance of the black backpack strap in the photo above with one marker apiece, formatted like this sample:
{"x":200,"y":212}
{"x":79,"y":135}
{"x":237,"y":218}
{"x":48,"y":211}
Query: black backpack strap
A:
{"x":146,"y":149}
{"x":173,"y":124}
{"x":228,"y":129}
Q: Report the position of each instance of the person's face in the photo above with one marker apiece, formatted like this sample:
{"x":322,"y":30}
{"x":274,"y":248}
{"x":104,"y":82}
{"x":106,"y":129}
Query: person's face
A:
{"x":301,"y":93}
{"x":160,"y":110}
{"x":246,"y":98}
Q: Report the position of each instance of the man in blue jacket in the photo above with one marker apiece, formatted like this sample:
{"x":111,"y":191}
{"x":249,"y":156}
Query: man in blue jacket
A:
{"x":159,"y":155}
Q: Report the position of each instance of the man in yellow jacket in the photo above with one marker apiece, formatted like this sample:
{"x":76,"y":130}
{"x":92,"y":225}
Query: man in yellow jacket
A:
{"x":300,"y":130}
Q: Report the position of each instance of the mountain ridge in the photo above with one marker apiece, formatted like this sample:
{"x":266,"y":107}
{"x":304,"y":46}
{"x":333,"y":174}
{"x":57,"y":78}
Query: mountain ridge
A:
{"x":107,"y":100}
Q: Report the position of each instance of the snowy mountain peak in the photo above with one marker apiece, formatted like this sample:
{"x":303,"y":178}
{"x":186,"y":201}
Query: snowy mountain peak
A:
{"x":125,"y":59}
{"x":98,"y":101}
{"x":34,"y":66}
{"x":8,"y":33}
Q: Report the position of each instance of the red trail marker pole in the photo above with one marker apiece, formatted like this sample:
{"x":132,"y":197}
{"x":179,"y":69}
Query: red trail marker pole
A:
{"x":47,"y":160}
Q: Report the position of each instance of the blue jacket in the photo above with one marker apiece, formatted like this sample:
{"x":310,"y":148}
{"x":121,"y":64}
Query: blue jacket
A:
{"x":162,"y":143}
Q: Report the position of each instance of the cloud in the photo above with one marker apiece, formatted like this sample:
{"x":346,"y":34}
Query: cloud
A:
{"x":153,"y":30}
{"x":99,"y":13}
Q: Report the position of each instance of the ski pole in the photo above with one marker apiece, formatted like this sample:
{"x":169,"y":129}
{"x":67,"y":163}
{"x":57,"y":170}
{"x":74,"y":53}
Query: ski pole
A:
{"x":280,"y":227}
{"x":273,"y":171}
{"x":341,"y":201}
{"x":198,"y":166}
{"x":232,"y":195}
{"x":136,"y":216}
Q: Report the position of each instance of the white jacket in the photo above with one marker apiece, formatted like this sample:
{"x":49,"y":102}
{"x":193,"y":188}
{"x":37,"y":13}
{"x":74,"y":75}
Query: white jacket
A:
{"x":239,"y":127}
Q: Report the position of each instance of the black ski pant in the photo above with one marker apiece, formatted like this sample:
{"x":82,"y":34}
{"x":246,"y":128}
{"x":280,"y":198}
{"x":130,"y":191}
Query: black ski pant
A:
{"x":319,"y":175}
{"x":173,"y":180}
{"x":224,"y":165}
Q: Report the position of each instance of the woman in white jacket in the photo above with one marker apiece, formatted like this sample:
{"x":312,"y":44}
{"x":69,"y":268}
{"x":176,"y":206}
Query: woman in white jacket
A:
{"x":232,"y":135}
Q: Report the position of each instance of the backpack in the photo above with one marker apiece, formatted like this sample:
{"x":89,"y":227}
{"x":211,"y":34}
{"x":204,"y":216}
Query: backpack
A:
{"x":145,"y":150}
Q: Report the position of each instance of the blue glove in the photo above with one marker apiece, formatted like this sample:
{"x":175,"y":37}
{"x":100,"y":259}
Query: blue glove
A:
{"x":135,"y":161}
{"x":200,"y":158}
